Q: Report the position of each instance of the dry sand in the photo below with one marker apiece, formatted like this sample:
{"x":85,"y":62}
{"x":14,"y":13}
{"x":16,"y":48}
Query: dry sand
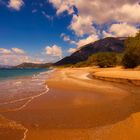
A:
{"x":80,"y":108}
{"x":118,"y":74}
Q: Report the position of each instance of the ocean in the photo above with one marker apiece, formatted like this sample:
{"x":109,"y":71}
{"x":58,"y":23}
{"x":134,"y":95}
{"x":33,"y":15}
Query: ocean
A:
{"x":12,"y":73}
{"x":19,"y":86}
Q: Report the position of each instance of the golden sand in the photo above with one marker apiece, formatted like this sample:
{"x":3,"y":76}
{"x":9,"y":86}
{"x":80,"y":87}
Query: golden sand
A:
{"x":80,"y":108}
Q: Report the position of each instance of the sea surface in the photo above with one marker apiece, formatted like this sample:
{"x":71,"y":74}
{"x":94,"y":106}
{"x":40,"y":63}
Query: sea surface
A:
{"x":18,"y":87}
{"x":11,"y":73}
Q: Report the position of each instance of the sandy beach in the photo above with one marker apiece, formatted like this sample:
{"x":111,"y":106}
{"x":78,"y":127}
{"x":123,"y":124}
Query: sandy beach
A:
{"x":79,"y":107}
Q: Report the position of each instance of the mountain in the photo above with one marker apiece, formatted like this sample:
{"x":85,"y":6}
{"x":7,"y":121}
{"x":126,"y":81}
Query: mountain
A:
{"x":109,"y":44}
{"x":33,"y":65}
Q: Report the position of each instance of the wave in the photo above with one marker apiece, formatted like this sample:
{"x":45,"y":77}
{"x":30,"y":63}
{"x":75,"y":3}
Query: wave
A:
{"x":16,"y":94}
{"x":21,"y":89}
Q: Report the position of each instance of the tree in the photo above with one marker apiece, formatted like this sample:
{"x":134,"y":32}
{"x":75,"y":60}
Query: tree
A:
{"x":106,"y":59}
{"x":131,"y":57}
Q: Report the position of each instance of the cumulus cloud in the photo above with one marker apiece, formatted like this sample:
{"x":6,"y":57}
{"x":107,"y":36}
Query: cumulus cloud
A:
{"x":12,"y":59}
{"x":82,"y":42}
{"x":15,"y":4}
{"x":4,"y":51}
{"x":18,"y":51}
{"x":82,"y":25}
{"x":63,"y":5}
{"x":123,"y":30}
{"x":67,"y":39}
{"x":103,"y":11}
{"x":15,"y":56}
{"x":54,"y":51}
{"x":87,"y":40}
{"x":107,"y":34}
{"x":11,"y":51}
{"x":72,"y":50}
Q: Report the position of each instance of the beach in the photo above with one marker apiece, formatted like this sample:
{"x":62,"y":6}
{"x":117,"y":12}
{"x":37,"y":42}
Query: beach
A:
{"x":79,"y":107}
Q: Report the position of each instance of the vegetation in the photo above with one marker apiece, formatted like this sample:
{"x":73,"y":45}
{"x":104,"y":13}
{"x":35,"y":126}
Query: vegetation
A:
{"x":131,"y":57}
{"x":103,"y":60}
{"x":109,"y":44}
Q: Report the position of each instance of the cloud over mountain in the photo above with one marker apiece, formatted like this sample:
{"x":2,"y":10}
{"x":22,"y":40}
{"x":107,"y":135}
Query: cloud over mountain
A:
{"x":15,"y":56}
{"x":54,"y":51}
{"x":117,"y":18}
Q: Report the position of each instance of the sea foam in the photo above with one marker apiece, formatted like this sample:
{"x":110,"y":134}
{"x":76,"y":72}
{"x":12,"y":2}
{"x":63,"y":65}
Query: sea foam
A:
{"x":15,"y":94}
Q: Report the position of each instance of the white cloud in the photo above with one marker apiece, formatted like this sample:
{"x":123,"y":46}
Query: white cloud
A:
{"x":107,"y":34}
{"x":123,"y":30}
{"x":18,"y":51}
{"x":72,"y":50}
{"x":87,"y":40}
{"x":16,"y":56}
{"x":4,"y":51}
{"x":63,"y":5}
{"x":67,"y":39}
{"x":82,"y":42}
{"x":15,"y":4}
{"x":129,"y":13}
{"x":82,"y":25}
{"x":54,"y":51}
{"x":12,"y":59}
{"x":13,"y":56}
{"x":103,"y":11}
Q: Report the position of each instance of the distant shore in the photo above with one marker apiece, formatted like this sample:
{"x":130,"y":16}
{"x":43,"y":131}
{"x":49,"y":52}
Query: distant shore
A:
{"x":79,"y":107}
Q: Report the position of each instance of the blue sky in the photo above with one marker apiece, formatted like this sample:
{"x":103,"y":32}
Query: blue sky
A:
{"x":46,"y":30}
{"x":32,"y":31}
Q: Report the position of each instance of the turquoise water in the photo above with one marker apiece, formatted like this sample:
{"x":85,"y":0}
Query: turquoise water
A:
{"x":19,"y":86}
{"x":12,"y":73}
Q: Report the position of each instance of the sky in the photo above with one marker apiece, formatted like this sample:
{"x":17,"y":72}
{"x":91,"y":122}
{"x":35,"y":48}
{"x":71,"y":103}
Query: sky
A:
{"x":41,"y":31}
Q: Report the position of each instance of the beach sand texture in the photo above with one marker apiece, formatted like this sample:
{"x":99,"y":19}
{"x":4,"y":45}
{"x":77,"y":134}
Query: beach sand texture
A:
{"x":80,"y":108}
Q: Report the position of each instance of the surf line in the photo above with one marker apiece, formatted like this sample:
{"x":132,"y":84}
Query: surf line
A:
{"x":26,"y":130}
{"x":18,"y":100}
{"x":30,"y":97}
{"x":25,"y":134}
{"x":24,"y":105}
{"x":17,"y":109}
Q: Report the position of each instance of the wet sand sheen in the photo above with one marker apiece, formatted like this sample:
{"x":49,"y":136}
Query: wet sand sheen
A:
{"x":11,"y":130}
{"x":15,"y":94}
{"x":78,"y":108}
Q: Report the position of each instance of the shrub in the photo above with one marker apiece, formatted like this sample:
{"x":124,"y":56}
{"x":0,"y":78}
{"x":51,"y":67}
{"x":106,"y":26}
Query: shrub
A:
{"x":106,"y":59}
{"x":131,"y":57}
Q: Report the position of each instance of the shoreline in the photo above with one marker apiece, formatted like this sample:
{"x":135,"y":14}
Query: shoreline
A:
{"x":25,"y":101}
{"x":78,"y":107}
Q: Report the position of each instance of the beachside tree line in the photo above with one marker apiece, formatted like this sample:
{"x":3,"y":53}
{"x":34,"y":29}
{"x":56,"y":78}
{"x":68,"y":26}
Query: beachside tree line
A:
{"x":130,"y":58}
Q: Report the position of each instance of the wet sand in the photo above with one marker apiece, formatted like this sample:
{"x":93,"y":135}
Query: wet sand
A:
{"x":79,"y":108}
